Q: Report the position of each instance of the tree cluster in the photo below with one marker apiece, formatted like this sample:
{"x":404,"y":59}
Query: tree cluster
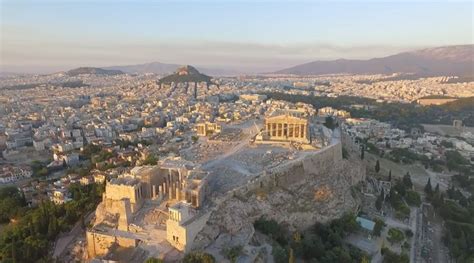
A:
{"x":198,"y":257}
{"x":458,"y":214}
{"x":12,"y":203}
{"x":392,"y":257}
{"x":401,"y":194}
{"x":320,"y":243}
{"x":31,"y":237}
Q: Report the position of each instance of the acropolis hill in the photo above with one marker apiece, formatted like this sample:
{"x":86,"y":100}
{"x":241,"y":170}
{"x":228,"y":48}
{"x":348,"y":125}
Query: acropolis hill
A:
{"x":287,"y":167}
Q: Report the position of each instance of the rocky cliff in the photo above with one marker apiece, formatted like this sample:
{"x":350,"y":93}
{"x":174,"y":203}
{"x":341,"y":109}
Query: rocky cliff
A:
{"x":316,"y":189}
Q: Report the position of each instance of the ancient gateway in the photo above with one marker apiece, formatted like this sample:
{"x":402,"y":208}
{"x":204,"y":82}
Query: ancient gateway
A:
{"x":178,"y":182}
{"x":287,"y":127}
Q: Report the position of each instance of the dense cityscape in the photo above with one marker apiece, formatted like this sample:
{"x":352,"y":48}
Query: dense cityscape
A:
{"x":256,"y":150}
{"x":186,"y":146}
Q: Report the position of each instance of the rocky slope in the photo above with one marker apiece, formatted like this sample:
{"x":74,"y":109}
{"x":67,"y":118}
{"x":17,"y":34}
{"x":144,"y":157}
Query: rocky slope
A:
{"x":317,"y":197}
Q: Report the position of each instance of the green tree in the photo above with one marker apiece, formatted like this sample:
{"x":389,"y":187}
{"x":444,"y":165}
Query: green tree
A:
{"x":455,"y":161}
{"x":413,"y":198}
{"x":280,"y":254}
{"x":232,"y":254}
{"x":392,"y":257}
{"x":329,"y":123}
{"x":53,"y":228}
{"x":390,"y":175}
{"x":395,"y":235}
{"x":379,"y":201}
{"x":151,"y":160}
{"x":428,"y":188}
{"x":377,"y":166}
{"x":379,"y":224}
{"x":198,"y":257}
{"x":407,"y":180}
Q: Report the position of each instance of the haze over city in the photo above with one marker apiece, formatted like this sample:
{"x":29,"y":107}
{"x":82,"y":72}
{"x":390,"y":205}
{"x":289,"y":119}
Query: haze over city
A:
{"x":261,"y":36}
{"x":232,"y":131}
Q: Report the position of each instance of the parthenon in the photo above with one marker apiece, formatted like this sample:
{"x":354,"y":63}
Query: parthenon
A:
{"x":286,"y":128}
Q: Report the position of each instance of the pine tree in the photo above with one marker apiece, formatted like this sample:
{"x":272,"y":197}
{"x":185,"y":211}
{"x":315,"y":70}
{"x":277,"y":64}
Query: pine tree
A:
{"x":362,"y":153}
{"x":407,"y":180}
{"x":428,"y":188}
{"x":390,"y":175}
{"x":377,"y":166}
{"x":52,"y":228}
{"x":437,"y":188}
{"x":378,"y":203}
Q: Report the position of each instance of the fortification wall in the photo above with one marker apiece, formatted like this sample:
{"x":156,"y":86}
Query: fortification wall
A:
{"x":116,"y":192}
{"x":109,"y":210}
{"x":311,"y":166}
{"x":99,"y":244}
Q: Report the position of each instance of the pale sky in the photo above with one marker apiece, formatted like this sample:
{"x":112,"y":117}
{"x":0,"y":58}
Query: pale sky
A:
{"x":45,"y":36}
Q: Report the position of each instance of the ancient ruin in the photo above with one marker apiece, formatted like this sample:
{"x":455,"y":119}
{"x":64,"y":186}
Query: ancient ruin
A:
{"x":118,"y":217}
{"x":207,"y":128}
{"x":286,"y":127}
{"x":286,"y":167}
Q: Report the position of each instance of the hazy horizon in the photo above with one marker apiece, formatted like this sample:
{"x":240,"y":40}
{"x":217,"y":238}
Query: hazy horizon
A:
{"x":49,"y":36}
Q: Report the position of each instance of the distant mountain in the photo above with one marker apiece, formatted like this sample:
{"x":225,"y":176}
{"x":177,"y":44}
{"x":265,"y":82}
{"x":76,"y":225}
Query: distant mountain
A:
{"x":90,"y":70}
{"x":449,"y":60}
{"x":186,"y":74}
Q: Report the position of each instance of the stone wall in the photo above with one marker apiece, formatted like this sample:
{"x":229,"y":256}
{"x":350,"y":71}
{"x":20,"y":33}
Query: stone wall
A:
{"x":314,"y":188}
{"x":313,"y":165}
{"x":121,"y":191}
{"x":98,"y":244}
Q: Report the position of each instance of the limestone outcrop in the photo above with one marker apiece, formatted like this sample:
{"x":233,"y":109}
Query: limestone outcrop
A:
{"x":315,"y":189}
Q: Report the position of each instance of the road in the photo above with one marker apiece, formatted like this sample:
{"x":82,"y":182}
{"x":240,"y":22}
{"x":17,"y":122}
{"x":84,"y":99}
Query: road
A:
{"x":415,"y":228}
